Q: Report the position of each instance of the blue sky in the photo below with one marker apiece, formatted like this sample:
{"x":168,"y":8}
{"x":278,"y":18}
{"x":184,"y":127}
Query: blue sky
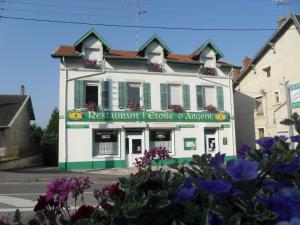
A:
{"x":26,"y":46}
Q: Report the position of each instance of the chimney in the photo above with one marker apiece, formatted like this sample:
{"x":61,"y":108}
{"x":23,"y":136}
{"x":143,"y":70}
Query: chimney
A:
{"x":281,"y":21}
{"x":236,"y":73}
{"x":246,"y":62}
{"x":22,"y":90}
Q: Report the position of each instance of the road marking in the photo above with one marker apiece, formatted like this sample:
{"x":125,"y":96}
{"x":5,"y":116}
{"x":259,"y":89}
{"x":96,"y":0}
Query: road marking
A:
{"x":33,"y":194}
{"x":17,"y":202}
{"x":26,"y":209}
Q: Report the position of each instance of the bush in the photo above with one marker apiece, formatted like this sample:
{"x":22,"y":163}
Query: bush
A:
{"x":260,"y":187}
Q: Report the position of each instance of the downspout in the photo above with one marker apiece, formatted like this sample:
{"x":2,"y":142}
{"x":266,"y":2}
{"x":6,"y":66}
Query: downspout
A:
{"x":232,"y":120}
{"x":65,"y":113}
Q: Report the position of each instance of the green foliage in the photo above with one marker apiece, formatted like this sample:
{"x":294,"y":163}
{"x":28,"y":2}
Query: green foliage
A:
{"x":50,"y":135}
{"x":36,"y":133}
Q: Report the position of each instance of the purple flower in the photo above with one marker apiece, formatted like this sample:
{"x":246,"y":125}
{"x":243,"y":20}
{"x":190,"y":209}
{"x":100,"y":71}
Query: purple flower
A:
{"x":273,"y":185}
{"x":295,"y":138}
{"x":187,"y":192}
{"x":290,"y":168}
{"x":215,"y":186}
{"x":243,"y":151}
{"x":266,"y":142}
{"x":293,"y":221}
{"x":285,"y":207}
{"x":217,"y":162}
{"x":242,"y":170}
{"x":291,"y":192}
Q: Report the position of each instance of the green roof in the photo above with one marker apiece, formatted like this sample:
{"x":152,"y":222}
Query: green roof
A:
{"x":159,"y":40}
{"x":212,"y":46}
{"x":92,"y":32}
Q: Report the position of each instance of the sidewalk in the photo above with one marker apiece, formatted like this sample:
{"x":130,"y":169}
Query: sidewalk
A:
{"x":48,"y":174}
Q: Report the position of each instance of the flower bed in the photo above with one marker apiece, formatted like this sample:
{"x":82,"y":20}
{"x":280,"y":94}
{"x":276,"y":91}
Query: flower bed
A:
{"x":259,"y":187}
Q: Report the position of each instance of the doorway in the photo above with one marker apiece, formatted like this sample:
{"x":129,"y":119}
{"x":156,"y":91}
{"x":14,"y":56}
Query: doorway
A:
{"x":134,"y":146}
{"x":211,"y":141}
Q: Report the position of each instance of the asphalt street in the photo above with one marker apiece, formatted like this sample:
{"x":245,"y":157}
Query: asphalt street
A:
{"x":18,"y":190}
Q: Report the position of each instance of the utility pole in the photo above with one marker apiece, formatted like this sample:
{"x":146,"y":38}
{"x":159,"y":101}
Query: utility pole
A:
{"x":139,"y":13}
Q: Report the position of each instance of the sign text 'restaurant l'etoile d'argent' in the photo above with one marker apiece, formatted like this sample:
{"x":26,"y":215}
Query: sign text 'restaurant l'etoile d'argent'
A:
{"x":147,"y":116}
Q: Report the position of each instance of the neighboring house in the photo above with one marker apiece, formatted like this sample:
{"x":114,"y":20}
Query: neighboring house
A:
{"x":260,"y":93}
{"x":114,"y":104}
{"x":16,"y":112}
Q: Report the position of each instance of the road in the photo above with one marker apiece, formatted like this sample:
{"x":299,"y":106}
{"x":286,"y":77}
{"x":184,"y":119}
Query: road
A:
{"x":20,"y":194}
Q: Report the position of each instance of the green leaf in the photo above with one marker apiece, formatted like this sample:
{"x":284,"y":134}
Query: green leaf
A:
{"x":83,"y":222}
{"x":132,"y":213}
{"x":287,"y":122}
{"x":33,"y":222}
{"x":17,"y":216}
{"x":124,"y":182}
{"x":143,"y":202}
{"x":162,"y":203}
{"x":162,"y":194}
{"x":235,"y":220}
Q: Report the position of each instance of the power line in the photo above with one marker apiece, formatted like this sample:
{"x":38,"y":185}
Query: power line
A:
{"x":134,"y":26}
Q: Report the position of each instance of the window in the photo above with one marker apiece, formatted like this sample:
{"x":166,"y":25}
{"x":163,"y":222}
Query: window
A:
{"x":267,"y":70}
{"x":161,"y":138}
{"x":210,"y":97}
{"x":91,"y":94}
{"x":175,"y":96}
{"x":276,"y":97}
{"x":259,"y":106}
{"x":133,"y":93}
{"x":261,"y":132}
{"x":106,"y":142}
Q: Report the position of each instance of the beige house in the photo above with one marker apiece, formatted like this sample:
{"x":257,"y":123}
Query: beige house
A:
{"x":265,"y":82}
{"x":16,"y":112}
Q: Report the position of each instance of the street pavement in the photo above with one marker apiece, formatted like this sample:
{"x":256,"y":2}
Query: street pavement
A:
{"x":20,"y":189}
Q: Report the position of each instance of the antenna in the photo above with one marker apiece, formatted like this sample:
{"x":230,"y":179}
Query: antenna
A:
{"x":282,"y":3}
{"x":139,"y":13}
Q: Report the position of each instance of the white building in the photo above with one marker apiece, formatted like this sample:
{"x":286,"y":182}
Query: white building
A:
{"x":136,"y":94}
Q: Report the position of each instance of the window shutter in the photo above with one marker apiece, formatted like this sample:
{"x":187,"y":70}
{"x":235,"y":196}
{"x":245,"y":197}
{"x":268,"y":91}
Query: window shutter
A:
{"x":105,"y":94}
{"x":200,"y":97}
{"x":220,"y":98}
{"x":147,"y":95}
{"x":79,"y":94}
{"x":122,"y":95}
{"x":186,"y":96}
{"x":164,"y":96}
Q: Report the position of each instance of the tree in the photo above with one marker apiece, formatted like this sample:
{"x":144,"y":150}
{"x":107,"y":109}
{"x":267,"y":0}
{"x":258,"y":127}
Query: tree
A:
{"x":50,"y":135}
{"x":36,"y":134}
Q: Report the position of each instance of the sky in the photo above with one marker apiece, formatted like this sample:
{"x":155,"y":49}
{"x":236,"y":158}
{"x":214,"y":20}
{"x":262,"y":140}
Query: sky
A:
{"x":26,"y":46}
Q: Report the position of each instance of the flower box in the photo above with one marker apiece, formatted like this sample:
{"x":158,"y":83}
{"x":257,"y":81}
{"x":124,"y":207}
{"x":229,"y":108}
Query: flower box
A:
{"x":211,"y":109}
{"x":92,"y":64}
{"x":208,"y":70}
{"x":133,"y":106}
{"x":155,"y":67}
{"x":176,"y":108}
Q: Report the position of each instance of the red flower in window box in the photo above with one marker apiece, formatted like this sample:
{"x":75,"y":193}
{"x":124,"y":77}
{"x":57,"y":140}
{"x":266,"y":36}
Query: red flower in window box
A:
{"x":91,"y":106}
{"x":211,"y":109}
{"x":90,"y":63}
{"x":156,"y":67}
{"x":208,"y":70}
{"x":134,"y":106}
{"x":176,"y":108}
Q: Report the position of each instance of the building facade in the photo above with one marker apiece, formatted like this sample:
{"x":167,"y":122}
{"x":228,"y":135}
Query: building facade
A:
{"x":265,"y":82}
{"x":116,"y":104}
{"x":16,"y":112}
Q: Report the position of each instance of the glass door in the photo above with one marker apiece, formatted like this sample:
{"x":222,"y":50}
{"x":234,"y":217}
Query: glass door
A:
{"x":134,"y":148}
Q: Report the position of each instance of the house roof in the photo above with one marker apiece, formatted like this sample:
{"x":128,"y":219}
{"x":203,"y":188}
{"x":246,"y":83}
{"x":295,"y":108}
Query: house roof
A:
{"x":212,"y":45}
{"x":292,"y":19}
{"x":109,"y":53}
{"x":89,"y":33}
{"x":156,"y":38}
{"x":10,"y":105}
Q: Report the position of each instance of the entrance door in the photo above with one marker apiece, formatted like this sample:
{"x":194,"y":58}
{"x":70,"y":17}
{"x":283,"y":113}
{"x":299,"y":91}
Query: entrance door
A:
{"x":134,"y":148}
{"x":211,"y":141}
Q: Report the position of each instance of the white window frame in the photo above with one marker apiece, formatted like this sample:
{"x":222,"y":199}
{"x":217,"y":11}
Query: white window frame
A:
{"x":94,"y":83}
{"x":141,"y":91}
{"x":106,"y":156}
{"x":215,"y":95}
{"x":268,"y":69}
{"x":172,"y":135}
{"x":180,"y":94}
{"x":92,"y":49}
{"x":279,"y":98}
{"x":263,"y":113}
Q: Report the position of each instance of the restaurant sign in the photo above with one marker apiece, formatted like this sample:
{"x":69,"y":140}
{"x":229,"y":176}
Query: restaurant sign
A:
{"x":147,"y":116}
